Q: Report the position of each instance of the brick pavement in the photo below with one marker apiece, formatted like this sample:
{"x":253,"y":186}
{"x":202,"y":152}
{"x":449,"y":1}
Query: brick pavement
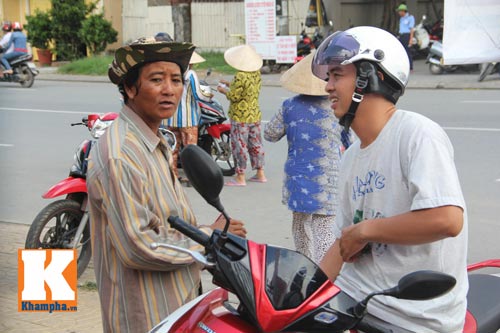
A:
{"x":86,"y":320}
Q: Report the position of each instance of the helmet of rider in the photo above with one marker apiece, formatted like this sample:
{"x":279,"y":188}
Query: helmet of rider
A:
{"x":371,"y":50}
{"x":16,"y":26}
{"x":7,"y":26}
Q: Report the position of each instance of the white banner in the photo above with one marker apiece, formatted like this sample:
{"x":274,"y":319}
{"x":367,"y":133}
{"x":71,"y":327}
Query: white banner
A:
{"x":471,"y":33}
{"x":260,"y":26}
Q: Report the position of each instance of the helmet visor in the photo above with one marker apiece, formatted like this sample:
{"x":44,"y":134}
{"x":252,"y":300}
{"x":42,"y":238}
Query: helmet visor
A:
{"x":336,"y":48}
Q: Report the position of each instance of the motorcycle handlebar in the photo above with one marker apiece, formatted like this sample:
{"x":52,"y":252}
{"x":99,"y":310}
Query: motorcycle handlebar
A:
{"x":189,"y":230}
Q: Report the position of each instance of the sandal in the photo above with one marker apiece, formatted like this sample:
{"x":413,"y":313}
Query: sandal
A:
{"x":233,"y":182}
{"x":257,"y":179}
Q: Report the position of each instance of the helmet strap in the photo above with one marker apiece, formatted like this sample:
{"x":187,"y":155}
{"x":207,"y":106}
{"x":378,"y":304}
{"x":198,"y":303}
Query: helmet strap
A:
{"x":362,"y":80}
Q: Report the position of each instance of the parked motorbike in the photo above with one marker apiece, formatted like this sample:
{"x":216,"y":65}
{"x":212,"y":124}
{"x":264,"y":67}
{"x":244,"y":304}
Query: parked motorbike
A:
{"x":214,"y":131}
{"x":488,"y":69}
{"x":63,"y":224}
{"x":435,"y":61}
{"x":306,"y":43}
{"x":435,"y":30}
{"x":24,"y":71}
{"x":280,"y":290}
{"x":421,"y":40}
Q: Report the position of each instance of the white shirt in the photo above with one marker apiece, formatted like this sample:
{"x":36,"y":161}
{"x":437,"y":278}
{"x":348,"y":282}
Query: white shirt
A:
{"x":408,"y":167}
{"x":5,"y":40}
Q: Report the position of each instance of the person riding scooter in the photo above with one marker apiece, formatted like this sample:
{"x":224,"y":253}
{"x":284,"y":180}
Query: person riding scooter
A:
{"x":18,"y":40}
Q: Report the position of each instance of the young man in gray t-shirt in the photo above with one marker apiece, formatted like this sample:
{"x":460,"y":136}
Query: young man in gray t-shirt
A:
{"x":401,"y":206}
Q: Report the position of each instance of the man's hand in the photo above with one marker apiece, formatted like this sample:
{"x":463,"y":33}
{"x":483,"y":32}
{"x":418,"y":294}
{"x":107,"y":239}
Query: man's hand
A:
{"x":235,"y":227}
{"x":351,"y":242}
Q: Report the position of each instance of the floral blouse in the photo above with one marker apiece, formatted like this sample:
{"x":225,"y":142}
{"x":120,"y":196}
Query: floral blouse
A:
{"x":314,"y":151}
{"x":243,"y":95}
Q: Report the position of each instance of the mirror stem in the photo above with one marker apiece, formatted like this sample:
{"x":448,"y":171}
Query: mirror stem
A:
{"x":228,"y":221}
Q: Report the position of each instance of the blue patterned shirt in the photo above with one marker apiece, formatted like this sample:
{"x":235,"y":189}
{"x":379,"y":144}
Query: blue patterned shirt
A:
{"x":314,"y":150}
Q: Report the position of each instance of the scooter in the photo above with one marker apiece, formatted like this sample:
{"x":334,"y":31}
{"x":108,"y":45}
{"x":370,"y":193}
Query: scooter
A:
{"x":24,"y":71}
{"x":436,"y":65}
{"x":214,"y":130}
{"x":421,"y":39}
{"x":63,"y":224}
{"x":280,"y":290}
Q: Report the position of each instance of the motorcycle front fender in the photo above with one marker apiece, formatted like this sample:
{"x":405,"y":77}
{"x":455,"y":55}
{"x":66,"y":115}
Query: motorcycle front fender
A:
{"x":216,"y":129}
{"x":33,"y":68}
{"x":66,"y":186}
{"x":206,"y":313}
{"x":434,"y":61}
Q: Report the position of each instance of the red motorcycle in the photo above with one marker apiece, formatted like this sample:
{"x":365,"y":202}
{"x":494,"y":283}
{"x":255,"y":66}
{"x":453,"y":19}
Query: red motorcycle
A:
{"x":63,"y":224}
{"x":280,"y":290}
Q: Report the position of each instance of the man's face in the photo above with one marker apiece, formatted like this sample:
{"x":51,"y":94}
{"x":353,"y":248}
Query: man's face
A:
{"x":401,"y":13}
{"x":157,"y":92}
{"x":340,"y":87}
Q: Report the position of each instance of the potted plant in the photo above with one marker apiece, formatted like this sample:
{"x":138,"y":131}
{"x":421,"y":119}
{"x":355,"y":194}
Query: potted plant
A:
{"x":39,"y":28}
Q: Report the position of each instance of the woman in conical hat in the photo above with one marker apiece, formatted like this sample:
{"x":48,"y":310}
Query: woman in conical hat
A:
{"x":314,"y":150}
{"x":244,"y":112}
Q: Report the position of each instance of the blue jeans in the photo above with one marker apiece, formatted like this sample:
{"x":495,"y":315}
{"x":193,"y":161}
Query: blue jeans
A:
{"x":8,"y":56}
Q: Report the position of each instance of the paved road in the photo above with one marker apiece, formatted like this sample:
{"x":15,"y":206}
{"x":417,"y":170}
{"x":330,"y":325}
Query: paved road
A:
{"x":470,"y":117}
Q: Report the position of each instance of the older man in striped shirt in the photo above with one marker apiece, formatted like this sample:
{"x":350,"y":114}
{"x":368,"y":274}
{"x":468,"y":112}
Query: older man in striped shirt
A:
{"x":133,"y":191}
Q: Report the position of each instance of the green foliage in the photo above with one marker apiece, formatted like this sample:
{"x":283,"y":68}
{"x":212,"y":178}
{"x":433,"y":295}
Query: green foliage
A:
{"x":97,"y":33}
{"x":39,"y":28}
{"x":215,"y":60}
{"x":97,"y":65}
{"x":67,"y":18}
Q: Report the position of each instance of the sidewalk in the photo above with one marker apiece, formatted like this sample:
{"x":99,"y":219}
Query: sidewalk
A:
{"x":421,"y":78}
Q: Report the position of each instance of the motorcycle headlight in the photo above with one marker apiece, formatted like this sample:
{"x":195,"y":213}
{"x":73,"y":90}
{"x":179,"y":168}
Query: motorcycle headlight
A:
{"x":99,"y":128}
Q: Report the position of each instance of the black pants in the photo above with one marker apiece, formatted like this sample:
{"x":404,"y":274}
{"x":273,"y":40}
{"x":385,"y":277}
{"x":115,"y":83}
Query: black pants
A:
{"x":405,"y":40}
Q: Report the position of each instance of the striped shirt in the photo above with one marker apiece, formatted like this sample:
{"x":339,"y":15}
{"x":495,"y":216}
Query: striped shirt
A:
{"x":132,"y":193}
{"x":188,"y":112}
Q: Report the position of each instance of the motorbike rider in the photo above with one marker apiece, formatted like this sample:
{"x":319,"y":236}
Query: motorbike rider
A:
{"x":18,"y":40}
{"x":132,"y":192}
{"x":7,"y":31}
{"x":401,"y":206}
{"x":406,"y":30}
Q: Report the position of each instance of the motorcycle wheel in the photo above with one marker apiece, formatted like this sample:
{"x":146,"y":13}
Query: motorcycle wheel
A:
{"x":436,"y":69}
{"x":30,"y":78}
{"x":55,"y":226}
{"x":485,"y":71}
{"x":224,"y":157}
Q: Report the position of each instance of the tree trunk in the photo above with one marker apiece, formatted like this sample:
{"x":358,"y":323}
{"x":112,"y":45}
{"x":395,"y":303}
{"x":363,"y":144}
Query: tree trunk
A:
{"x":181,"y":16}
{"x":390,"y":18}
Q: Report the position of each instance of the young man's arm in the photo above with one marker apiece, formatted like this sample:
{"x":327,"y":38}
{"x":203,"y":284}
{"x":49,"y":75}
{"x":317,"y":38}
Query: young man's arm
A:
{"x":412,"y":228}
{"x":332,"y":261}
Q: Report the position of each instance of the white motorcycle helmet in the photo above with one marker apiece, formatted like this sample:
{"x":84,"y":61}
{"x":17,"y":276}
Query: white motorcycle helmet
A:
{"x":365,"y":43}
{"x":371,"y":50}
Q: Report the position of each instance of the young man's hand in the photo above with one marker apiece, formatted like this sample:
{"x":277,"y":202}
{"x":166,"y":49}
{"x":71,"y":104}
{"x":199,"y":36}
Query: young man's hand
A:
{"x":351,"y":242}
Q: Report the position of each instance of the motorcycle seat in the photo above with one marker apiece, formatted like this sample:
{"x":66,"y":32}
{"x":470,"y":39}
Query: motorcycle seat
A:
{"x":483,"y":301}
{"x":21,"y":58}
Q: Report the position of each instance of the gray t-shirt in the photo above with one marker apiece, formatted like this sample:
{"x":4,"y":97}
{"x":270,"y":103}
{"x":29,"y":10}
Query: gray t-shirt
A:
{"x":408,"y":167}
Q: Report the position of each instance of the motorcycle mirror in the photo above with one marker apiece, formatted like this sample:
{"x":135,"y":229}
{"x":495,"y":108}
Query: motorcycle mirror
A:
{"x":422,"y":285}
{"x":416,"y":286}
{"x":209,"y":71}
{"x":204,"y":174}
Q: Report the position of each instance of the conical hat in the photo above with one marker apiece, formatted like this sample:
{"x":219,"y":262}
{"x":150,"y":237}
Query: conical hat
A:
{"x":300,"y":79}
{"x":196,"y":58}
{"x":243,"y":58}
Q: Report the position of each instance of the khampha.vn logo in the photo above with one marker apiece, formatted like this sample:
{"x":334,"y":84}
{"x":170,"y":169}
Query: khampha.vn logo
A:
{"x":47,"y":280}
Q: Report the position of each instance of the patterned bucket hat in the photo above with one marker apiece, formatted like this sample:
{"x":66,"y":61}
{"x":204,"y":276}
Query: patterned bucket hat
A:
{"x":146,"y":50}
